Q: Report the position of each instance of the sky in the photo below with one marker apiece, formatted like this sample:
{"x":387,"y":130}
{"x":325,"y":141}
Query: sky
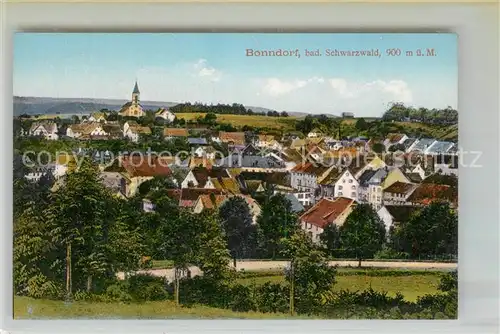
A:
{"x":216,"y":68}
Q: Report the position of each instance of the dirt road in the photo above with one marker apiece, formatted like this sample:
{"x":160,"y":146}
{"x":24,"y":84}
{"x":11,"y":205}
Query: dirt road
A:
{"x":276,"y":265}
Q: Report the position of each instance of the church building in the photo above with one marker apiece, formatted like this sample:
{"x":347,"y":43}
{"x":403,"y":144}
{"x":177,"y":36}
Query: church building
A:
{"x":133,"y":108}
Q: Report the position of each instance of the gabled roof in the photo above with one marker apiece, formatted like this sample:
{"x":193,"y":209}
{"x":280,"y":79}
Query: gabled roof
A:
{"x":175,"y":132}
{"x":188,"y":196}
{"x":266,"y":138}
{"x":426,"y":193}
{"x":140,"y":129}
{"x":142,"y":166}
{"x":326,"y":211}
{"x":400,"y":188}
{"x":202,"y":174}
{"x":393,"y":138}
{"x":228,"y":184}
{"x":414,"y":177}
{"x":211,"y":202}
{"x":235,"y":137}
{"x":296,"y":206}
{"x":401,"y":213}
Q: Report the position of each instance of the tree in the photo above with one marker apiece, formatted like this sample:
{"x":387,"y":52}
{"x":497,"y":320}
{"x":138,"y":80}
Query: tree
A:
{"x":309,"y":274}
{"x":363,"y":233}
{"x":330,"y":239}
{"x":210,"y":118}
{"x":396,"y":148}
{"x":181,"y":243}
{"x":277,"y":220}
{"x":79,"y":217}
{"x":431,"y":232}
{"x":236,"y":220}
{"x":361,"y":125}
{"x":75,"y":119}
{"x":378,"y":148}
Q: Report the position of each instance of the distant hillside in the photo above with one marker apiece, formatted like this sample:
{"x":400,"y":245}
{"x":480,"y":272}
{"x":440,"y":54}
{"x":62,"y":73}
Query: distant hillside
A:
{"x":72,"y":106}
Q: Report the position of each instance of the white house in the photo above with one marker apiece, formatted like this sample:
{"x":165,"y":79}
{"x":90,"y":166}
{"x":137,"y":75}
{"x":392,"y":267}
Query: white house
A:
{"x":306,"y":176}
{"x":347,"y":186}
{"x":398,"y":193}
{"x":207,"y":152}
{"x":201,"y":177}
{"x":134,"y":132}
{"x":86,"y":129}
{"x":98,"y":117}
{"x":370,"y":187}
{"x":48,"y":130}
{"x":165,"y":114}
{"x":446,"y":164}
{"x":315,"y":133}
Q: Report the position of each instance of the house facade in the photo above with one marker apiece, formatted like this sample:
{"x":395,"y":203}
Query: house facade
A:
{"x":133,"y":108}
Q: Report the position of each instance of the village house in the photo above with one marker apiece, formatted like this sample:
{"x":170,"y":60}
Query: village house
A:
{"x":315,"y":133}
{"x":45,"y":129}
{"x":171,"y":133}
{"x":426,"y":193}
{"x":394,"y":174}
{"x":306,"y":177}
{"x":86,"y":131}
{"x":98,"y":117}
{"x":133,"y":108}
{"x":140,"y":169}
{"x":398,"y":193}
{"x":232,"y":138}
{"x":439,"y":147}
{"x":393,"y":215}
{"x":421,"y":145}
{"x":201,"y":177}
{"x":394,"y":139}
{"x":370,"y":187}
{"x":116,"y":182}
{"x":165,"y":114}
{"x":214,"y":202}
{"x":207,"y":152}
{"x":134,"y":132}
{"x":197,"y":141}
{"x":447,"y":164}
{"x":325,"y":212}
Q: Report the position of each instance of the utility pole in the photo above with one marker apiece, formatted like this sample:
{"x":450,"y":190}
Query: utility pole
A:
{"x":292,"y":289}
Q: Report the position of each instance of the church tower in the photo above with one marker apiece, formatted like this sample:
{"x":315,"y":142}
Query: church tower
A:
{"x":135,"y":95}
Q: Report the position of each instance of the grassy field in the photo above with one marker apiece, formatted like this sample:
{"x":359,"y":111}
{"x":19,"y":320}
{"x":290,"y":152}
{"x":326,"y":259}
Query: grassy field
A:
{"x":411,"y":287}
{"x":50,"y":309}
{"x":285,"y":123}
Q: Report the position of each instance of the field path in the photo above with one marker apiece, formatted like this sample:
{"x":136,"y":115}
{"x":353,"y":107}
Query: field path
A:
{"x":276,"y":265}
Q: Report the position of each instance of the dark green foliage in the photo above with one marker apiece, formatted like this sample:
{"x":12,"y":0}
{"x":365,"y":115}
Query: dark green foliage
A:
{"x":236,"y":221}
{"x":276,"y":221}
{"x":431,"y":232}
{"x":363,"y":233}
{"x":330,"y":240}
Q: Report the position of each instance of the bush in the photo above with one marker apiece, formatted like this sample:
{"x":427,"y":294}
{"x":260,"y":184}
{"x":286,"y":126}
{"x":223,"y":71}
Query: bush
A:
{"x":40,"y":287}
{"x":272,"y":298}
{"x":390,"y":254}
{"x":119,"y":292}
{"x":242,"y":299}
{"x":146,"y":287}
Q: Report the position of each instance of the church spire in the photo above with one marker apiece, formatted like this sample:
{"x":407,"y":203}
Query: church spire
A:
{"x":136,"y":88}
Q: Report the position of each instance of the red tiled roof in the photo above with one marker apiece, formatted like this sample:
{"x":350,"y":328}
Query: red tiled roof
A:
{"x":235,"y":137}
{"x":326,"y":211}
{"x":189,"y":196}
{"x":426,"y":193}
{"x":144,"y":166}
{"x":175,"y":132}
{"x":399,"y":187}
{"x":395,"y":137}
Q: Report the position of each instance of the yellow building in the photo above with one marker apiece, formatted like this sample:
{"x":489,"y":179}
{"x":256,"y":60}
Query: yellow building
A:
{"x":133,"y":108}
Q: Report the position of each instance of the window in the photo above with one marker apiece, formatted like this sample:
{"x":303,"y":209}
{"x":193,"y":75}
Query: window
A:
{"x":353,"y":194}
{"x":353,"y":187}
{"x":343,"y":181}
{"x":347,"y":174}
{"x":340,"y":193}
{"x":310,"y":234}
{"x":301,"y":196}
{"x":350,"y":180}
{"x":340,"y":187}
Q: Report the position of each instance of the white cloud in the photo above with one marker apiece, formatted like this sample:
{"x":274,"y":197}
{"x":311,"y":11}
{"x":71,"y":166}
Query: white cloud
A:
{"x":202,"y":69}
{"x":277,"y":87}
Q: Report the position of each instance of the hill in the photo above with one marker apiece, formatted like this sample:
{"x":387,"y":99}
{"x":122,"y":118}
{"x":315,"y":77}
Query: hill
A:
{"x":83,"y":106}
